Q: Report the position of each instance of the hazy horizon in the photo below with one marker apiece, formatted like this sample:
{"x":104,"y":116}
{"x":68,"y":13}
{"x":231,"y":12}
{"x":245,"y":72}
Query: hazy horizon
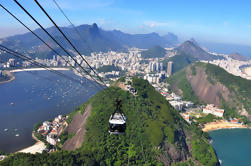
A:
{"x":210,"y":21}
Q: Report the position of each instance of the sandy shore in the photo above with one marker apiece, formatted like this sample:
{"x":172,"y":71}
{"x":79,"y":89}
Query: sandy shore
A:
{"x":38,"y":69}
{"x":38,"y":147}
{"x":12,"y":77}
{"x":221,"y":125}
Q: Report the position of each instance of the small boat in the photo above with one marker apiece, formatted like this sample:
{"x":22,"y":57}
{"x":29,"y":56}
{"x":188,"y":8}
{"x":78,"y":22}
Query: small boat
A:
{"x":5,"y":130}
{"x":17,"y":135}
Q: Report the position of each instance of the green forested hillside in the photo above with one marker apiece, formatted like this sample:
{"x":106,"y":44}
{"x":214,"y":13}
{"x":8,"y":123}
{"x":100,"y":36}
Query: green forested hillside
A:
{"x":180,"y":61}
{"x":180,"y":81}
{"x":238,"y":87}
{"x":154,"y":52}
{"x":156,"y":135}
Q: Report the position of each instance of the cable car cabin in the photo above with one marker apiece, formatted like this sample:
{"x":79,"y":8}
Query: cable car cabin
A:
{"x":117,"y":123}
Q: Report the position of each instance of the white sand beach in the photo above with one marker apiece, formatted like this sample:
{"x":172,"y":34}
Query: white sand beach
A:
{"x":221,"y":125}
{"x":38,"y":69}
{"x":36,"y":148}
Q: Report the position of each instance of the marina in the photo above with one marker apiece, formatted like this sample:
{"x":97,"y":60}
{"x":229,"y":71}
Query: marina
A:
{"x":35,"y":98}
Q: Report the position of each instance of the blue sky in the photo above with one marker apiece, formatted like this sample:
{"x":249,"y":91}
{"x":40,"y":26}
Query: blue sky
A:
{"x":224,"y":21}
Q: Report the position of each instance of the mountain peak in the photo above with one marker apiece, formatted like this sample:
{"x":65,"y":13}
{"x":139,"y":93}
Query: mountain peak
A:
{"x":94,"y":30}
{"x":95,"y":26}
{"x":194,"y":41}
{"x":189,"y":48}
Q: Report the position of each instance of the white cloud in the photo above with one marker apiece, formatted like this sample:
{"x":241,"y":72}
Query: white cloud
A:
{"x":155,"y":24}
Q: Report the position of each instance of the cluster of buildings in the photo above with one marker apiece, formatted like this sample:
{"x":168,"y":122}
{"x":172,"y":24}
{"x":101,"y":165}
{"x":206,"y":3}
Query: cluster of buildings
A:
{"x":127,"y":61}
{"x":131,"y":62}
{"x":231,"y":65}
{"x":111,"y":74}
{"x":177,"y":103}
{"x":155,"y":72}
{"x":173,"y":99}
{"x":51,"y":130}
{"x":10,"y":63}
{"x":211,"y":109}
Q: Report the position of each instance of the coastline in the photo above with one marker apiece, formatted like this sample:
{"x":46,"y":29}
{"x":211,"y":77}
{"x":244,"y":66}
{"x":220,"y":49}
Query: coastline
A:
{"x":38,"y":147}
{"x":39,"y":69}
{"x":222,"y":125}
{"x":12,"y":77}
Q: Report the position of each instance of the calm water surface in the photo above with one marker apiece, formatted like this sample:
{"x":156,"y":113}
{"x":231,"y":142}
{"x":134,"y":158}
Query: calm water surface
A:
{"x":233,"y":146}
{"x":35,"y":97}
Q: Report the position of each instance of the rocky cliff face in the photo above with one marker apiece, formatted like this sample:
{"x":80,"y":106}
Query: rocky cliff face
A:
{"x":207,"y":92}
{"x":210,"y":84}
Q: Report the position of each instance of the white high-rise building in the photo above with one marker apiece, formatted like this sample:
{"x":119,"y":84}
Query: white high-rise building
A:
{"x":152,"y":66}
{"x":157,"y":66}
{"x":169,"y":68}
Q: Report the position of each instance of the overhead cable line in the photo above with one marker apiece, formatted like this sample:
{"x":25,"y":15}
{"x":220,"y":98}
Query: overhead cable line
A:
{"x":55,"y":41}
{"x":37,"y":36}
{"x":67,"y":61}
{"x":74,"y":27}
{"x":1,"y":61}
{"x":32,"y":61}
{"x":68,"y":40}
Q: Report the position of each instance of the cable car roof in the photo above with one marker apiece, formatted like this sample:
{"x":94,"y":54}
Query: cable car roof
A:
{"x":117,"y":119}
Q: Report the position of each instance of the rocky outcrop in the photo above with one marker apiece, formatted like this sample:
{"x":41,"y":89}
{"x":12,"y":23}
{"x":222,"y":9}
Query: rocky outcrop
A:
{"x":77,"y":127}
{"x":207,"y":91}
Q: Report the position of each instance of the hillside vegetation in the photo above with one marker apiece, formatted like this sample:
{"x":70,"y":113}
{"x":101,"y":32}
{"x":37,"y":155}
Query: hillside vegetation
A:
{"x":156,"y":135}
{"x":180,"y":61}
{"x":154,"y":52}
{"x":214,"y":86}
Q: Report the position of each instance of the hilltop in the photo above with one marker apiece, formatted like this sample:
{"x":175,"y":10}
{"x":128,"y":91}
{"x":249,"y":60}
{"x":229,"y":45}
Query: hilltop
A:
{"x":156,"y":134}
{"x":187,"y":53}
{"x":207,"y":83}
{"x":190,"y":48}
{"x":154,"y":52}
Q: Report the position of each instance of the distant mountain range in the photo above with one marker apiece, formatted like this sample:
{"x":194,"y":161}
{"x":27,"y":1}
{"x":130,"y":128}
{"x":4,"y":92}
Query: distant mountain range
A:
{"x":91,"y":39}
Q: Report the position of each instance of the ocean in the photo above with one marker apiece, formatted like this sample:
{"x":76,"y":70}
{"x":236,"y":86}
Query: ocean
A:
{"x":33,"y":97}
{"x":233,"y":146}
